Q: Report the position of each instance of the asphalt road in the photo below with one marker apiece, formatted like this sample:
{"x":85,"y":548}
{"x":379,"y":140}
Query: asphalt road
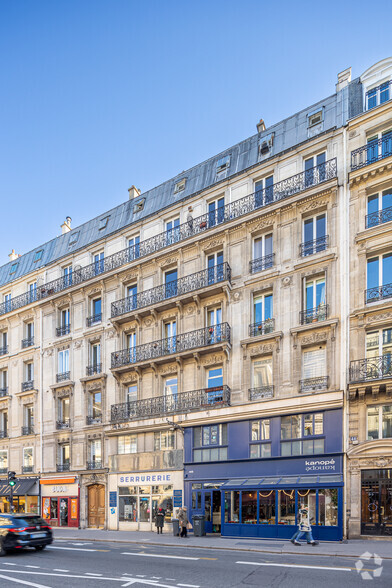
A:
{"x":71,"y":564}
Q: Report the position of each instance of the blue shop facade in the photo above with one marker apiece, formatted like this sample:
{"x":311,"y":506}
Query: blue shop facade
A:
{"x":249,"y":478}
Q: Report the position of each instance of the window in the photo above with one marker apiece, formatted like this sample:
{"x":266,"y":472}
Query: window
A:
{"x":29,"y":330}
{"x":377,"y":96}
{"x":379,"y":274}
{"x":73,"y":237}
{"x":379,"y":349}
{"x":301,"y":434}
{"x":29,"y":372}
{"x":103,"y":223}
{"x":96,"y":309}
{"x":134,"y":247}
{"x":379,"y":208}
{"x":314,"y":363}
{"x":315,"y":118}
{"x":29,"y":416}
{"x":216,"y":212}
{"x":379,"y":422}
{"x":314,"y":299}
{"x":210,"y":441}
{"x":262,"y":314}
{"x":64,"y":410}
{"x":3,"y":460}
{"x":3,"y":382}
{"x":264,"y":191}
{"x":223,"y":164}
{"x":14,"y":267}
{"x":169,"y":334}
{"x":64,"y":318}
{"x":379,"y":146}
{"x":132,"y":297}
{"x":131,"y":394}
{"x":99,"y":262}
{"x":170,"y":388}
{"x":315,"y":169}
{"x":314,"y":235}
{"x":215,"y":267}
{"x":63,"y":362}
{"x":164,"y":440}
{"x":172,"y":231}
{"x":64,"y":454}
{"x":33,"y":292}
{"x":139,"y":205}
{"x":127,"y":444}
{"x":131,"y":346}
{"x":215,"y":378}
{"x":28,"y":461}
{"x":95,"y":351}
{"x":96,"y":453}
{"x":262,"y":253}
{"x":171,"y":283}
{"x":260,"y":434}
{"x":38,"y":255}
{"x":3,"y":423}
{"x":95,"y":407}
{"x":67,"y":276}
{"x":262,"y":373}
{"x":7,"y":302}
{"x":179,"y":186}
{"x":4,"y":343}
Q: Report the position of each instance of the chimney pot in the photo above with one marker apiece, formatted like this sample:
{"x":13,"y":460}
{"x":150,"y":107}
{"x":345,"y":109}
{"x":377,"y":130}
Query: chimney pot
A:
{"x":260,"y":126}
{"x":13,"y":255}
{"x":133,"y":192}
{"x":66,"y":226}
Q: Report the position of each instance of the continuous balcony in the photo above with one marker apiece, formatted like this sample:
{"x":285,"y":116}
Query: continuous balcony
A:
{"x":3,"y":434}
{"x":94,"y":465}
{"x":166,"y":295}
{"x":159,"y":406}
{"x":262,"y":327}
{"x":197,"y":226}
{"x":94,"y":369}
{"x":261,"y":393}
{"x":27,"y":430}
{"x":28,"y":342}
{"x":4,"y":350}
{"x":28,"y":385}
{"x":180,"y":345}
{"x":371,"y":152}
{"x":261,"y":263}
{"x":27,"y":469}
{"x":372,"y":368}
{"x":3,"y":470}
{"x":93,"y":420}
{"x":4,"y":391}
{"x":315,"y":246}
{"x":378,"y":293}
{"x":63,"y":424}
{"x":314,"y":384}
{"x":63,"y":467}
{"x":63,"y":377}
{"x":63,"y":330}
{"x":313,"y":315}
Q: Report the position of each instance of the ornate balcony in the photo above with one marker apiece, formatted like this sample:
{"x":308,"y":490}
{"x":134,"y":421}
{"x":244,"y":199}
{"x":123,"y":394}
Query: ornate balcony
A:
{"x":3,"y":470}
{"x":313,"y":384}
{"x":28,"y":385}
{"x":372,"y":368}
{"x":178,"y":345}
{"x":28,"y":430}
{"x":262,"y":328}
{"x":94,"y":319}
{"x":312,"y":247}
{"x":63,"y":467}
{"x":3,"y":434}
{"x":164,"y":294}
{"x":379,"y":217}
{"x":262,"y":263}
{"x":93,"y":420}
{"x":96,"y":368}
{"x":161,"y":405}
{"x":197,"y":226}
{"x":63,"y":330}
{"x":4,"y":391}
{"x":4,"y":350}
{"x":314,"y":315}
{"x":378,"y":293}
{"x":27,"y":469}
{"x":63,"y":377}
{"x":27,"y":342}
{"x":94,"y":465}
{"x":261,"y":393}
{"x":371,"y":152}
{"x":63,"y":424}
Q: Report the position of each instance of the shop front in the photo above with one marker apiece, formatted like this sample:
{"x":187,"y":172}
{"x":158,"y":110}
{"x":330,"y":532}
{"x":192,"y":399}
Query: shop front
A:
{"x":25,"y":496}
{"x":60,"y":501}
{"x":134,"y":498}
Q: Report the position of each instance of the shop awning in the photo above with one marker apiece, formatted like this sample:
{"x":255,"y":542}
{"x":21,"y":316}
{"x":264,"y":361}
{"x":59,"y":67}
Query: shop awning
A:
{"x":21,"y":487}
{"x":280,"y":481}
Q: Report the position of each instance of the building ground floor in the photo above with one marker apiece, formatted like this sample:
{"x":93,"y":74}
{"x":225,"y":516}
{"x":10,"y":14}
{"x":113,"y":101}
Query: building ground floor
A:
{"x":25,"y":495}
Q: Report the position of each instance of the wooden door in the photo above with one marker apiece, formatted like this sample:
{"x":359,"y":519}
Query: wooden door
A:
{"x":96,"y":505}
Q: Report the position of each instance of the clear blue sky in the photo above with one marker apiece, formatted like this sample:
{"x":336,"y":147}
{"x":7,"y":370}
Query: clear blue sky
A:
{"x":97,"y":95}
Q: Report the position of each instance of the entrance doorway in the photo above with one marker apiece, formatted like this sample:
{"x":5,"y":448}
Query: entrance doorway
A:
{"x":207,"y":501}
{"x":96,"y":505}
{"x":376,"y":511}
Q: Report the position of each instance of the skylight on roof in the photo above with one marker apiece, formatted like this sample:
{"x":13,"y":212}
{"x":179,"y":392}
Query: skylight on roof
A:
{"x":138,"y":206}
{"x":73,"y":238}
{"x":13,"y":268}
{"x":223,"y":163}
{"x":103,"y":223}
{"x":38,"y":255}
{"x":179,"y":186}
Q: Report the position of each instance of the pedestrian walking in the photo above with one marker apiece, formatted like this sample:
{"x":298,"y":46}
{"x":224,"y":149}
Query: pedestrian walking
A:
{"x":183,"y":519}
{"x":159,"y":519}
{"x":304,"y":528}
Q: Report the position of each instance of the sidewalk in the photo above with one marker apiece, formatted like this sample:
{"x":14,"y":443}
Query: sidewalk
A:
{"x":353,"y":548}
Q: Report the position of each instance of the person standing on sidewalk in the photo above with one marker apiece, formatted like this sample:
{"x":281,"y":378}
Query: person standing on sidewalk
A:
{"x":159,"y":519}
{"x":183,"y":519}
{"x":304,"y":528}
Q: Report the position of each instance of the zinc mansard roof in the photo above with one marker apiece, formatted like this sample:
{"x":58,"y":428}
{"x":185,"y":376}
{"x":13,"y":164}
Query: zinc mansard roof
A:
{"x":281,"y":137}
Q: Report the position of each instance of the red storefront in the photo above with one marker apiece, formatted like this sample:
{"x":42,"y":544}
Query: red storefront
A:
{"x":60,"y":501}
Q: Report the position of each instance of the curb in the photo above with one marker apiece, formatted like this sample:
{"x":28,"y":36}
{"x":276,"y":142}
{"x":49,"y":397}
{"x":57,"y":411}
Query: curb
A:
{"x":246,"y":549}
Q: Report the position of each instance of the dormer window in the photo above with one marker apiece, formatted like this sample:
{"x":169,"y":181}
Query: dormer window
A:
{"x":315,"y":118}
{"x":179,"y":186}
{"x":103,"y":223}
{"x":138,"y":206}
{"x":13,"y":268}
{"x":378,"y":95}
{"x":223,"y":164}
{"x":38,"y":255}
{"x":73,"y":238}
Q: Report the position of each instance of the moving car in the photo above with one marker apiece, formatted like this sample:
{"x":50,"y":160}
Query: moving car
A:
{"x":23,"y":530}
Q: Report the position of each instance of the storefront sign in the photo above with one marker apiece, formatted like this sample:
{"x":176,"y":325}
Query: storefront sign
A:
{"x":60,"y":489}
{"x":320,"y":465}
{"x":177,"y":498}
{"x":146,"y":479}
{"x":113,"y":499}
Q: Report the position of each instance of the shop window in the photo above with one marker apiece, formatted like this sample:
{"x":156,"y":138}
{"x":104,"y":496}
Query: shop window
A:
{"x":328,"y":507}
{"x":286,"y":507}
{"x":140,"y":503}
{"x":209,"y":441}
{"x":301,"y":434}
{"x":232,"y":506}
{"x":127,"y":503}
{"x":267,"y":507}
{"x":379,"y":422}
{"x":127,"y":444}
{"x":307,"y":498}
{"x":164,"y":440}
{"x":249,"y":508}
{"x":260,"y":437}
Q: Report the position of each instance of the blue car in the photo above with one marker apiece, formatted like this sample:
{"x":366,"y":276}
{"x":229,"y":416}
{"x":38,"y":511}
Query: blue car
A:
{"x":23,"y":530}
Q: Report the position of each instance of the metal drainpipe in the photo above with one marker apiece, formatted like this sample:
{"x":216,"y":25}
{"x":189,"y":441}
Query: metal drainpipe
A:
{"x":41,"y":393}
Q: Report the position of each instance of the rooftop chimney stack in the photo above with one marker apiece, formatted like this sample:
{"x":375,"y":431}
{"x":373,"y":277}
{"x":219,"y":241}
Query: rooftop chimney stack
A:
{"x":66,"y":226}
{"x":344,"y":78}
{"x":133,"y":192}
{"x":260,"y":126}
{"x":13,"y":255}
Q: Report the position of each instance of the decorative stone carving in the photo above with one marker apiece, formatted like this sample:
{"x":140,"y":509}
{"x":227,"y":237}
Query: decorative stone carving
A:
{"x":171,"y":368}
{"x":48,"y":352}
{"x":93,"y":291}
{"x":129,"y":378}
{"x":212,"y":244}
{"x":168,"y":261}
{"x":236,"y":296}
{"x":62,"y":347}
{"x":312,"y":205}
{"x":94,"y":385}
{"x":78,"y":343}
{"x":63,"y":392}
{"x":265,"y":222}
{"x":314,"y":338}
{"x":191,"y":309}
{"x":110,"y":334}
{"x":261,"y":349}
{"x":385,"y":316}
{"x":130,"y":276}
{"x":287,"y":281}
{"x":148,"y":321}
{"x":212,"y":359}
{"x":169,"y":315}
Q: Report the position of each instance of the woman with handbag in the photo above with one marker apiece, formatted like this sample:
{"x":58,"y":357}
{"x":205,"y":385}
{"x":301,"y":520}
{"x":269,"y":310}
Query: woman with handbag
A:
{"x":184,"y":522}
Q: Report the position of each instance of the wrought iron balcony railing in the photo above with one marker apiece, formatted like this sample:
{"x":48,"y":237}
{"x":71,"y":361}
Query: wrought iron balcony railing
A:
{"x":28,"y":385}
{"x":63,"y":424}
{"x":203,"y":279}
{"x":378,"y":293}
{"x":373,"y":151}
{"x":63,"y":467}
{"x":27,"y":469}
{"x":279,"y":191}
{"x":4,"y":391}
{"x":314,"y":315}
{"x":312,"y":247}
{"x":28,"y":430}
{"x":63,"y":330}
{"x":94,"y":319}
{"x":161,"y":405}
{"x":261,"y":263}
{"x":94,"y":465}
{"x":262,"y":328}
{"x":93,"y":420}
{"x":172,"y":345}
{"x":379,"y":217}
{"x":261,"y":393}
{"x":64,"y":376}
{"x":27,"y":342}
{"x":3,"y":434}
{"x":3,"y":470}
{"x":96,"y":368}
{"x":4,"y":350}
{"x":372,"y":368}
{"x":313,"y":384}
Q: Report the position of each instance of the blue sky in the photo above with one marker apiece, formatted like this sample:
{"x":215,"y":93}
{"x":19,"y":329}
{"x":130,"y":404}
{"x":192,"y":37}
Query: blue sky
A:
{"x":97,"y":95}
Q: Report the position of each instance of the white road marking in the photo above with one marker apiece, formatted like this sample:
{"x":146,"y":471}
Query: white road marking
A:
{"x":86,"y":543}
{"x":256,"y":563}
{"x":24,"y":582}
{"x":189,"y":585}
{"x":6,"y":563}
{"x":71,"y":548}
{"x":139,"y":575}
{"x":92,"y":574}
{"x":59,"y":570}
{"x":161,"y":556}
{"x":36,"y":567}
{"x":84,"y":577}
